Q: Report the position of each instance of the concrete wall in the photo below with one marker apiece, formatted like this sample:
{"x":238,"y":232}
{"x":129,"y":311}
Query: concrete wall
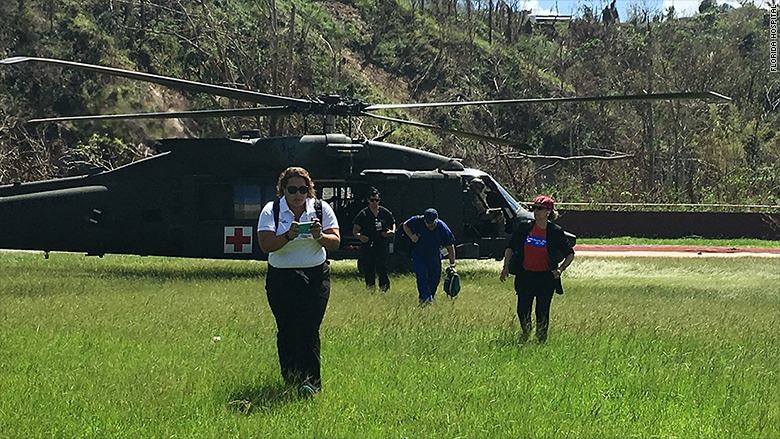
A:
{"x":712,"y":225}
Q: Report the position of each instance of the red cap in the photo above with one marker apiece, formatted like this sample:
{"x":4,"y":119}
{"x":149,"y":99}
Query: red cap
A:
{"x":544,"y":201}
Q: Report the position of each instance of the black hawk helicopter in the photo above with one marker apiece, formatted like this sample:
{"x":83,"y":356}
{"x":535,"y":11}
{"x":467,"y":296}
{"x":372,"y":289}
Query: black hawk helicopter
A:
{"x":201,"y":198}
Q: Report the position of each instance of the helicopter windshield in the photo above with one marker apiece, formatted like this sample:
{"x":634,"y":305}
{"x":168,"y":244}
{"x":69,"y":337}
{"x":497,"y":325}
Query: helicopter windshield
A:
{"x":514,"y":205}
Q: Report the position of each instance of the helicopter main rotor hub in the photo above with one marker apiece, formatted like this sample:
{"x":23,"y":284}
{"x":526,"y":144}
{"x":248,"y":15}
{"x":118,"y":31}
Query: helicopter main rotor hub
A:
{"x":335,"y":105}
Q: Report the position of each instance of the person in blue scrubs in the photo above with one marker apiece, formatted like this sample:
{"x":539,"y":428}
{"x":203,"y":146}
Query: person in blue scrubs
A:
{"x":429,"y":234}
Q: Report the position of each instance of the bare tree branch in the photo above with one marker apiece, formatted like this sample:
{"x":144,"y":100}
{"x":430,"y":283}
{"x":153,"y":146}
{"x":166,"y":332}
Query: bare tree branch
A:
{"x":519,"y":155}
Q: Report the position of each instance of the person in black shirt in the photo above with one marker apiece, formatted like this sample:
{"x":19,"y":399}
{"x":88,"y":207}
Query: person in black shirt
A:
{"x":537,"y":254}
{"x":374,"y":226}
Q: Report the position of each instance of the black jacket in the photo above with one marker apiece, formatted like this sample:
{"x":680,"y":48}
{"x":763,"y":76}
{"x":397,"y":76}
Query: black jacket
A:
{"x":559,"y":246}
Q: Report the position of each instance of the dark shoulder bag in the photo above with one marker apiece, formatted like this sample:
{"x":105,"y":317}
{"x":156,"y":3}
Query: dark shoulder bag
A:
{"x":402,"y":243}
{"x":516,"y":263}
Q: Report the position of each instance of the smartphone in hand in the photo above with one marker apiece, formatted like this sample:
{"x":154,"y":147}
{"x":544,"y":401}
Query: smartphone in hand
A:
{"x":304,"y":227}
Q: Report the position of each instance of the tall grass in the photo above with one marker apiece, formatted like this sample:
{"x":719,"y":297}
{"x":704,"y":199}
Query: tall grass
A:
{"x":127,"y":346}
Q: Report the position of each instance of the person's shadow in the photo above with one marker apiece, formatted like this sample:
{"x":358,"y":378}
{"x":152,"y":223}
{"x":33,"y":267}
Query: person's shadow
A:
{"x":262,"y":397}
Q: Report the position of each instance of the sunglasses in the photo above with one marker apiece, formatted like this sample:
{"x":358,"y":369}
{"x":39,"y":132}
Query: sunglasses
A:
{"x":294,"y":189}
{"x":537,"y":208}
{"x":375,"y":200}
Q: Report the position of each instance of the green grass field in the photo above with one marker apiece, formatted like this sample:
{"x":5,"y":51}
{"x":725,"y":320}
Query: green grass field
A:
{"x":127,"y":346}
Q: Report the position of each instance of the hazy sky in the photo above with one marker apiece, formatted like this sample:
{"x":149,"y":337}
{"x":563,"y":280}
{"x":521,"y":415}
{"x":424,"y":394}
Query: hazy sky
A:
{"x":570,"y":7}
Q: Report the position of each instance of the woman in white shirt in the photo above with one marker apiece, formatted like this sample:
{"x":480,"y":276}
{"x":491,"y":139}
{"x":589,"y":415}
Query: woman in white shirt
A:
{"x":298,"y":280}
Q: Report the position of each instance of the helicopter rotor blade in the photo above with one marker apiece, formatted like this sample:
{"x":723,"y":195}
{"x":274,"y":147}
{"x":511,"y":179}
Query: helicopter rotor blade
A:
{"x":474,"y":136}
{"x":181,"y":84}
{"x":708,"y":95}
{"x":247,"y":112}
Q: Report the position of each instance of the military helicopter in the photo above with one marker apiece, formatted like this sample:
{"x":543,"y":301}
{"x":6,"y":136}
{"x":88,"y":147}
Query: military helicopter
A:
{"x":201,"y":198}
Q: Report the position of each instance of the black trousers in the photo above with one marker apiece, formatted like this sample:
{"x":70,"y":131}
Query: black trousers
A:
{"x":298,"y":298}
{"x":530,"y":285}
{"x":373,"y":262}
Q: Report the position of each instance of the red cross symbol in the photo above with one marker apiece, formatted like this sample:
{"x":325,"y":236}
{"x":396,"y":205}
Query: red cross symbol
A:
{"x":237,"y":240}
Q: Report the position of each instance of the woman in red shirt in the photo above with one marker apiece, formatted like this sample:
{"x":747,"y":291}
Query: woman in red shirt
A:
{"x":537,"y":254}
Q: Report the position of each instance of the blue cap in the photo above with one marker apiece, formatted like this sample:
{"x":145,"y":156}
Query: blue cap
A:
{"x":431,"y":215}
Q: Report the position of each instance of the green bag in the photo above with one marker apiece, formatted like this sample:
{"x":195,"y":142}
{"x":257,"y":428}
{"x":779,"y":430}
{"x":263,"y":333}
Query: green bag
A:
{"x":452,"y":283}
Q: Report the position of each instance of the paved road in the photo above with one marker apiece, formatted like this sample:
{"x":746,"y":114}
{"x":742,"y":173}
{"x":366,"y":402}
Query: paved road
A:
{"x":675,"y":250}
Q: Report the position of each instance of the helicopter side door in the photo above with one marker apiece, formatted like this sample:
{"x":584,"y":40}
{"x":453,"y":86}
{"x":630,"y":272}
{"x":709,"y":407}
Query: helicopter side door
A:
{"x":409,"y":193}
{"x":347,"y":198}
{"x":220,"y":216}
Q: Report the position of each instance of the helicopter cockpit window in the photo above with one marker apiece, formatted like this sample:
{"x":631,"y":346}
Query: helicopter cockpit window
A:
{"x":247,"y":202}
{"x":488,"y":208}
{"x":513,"y":205}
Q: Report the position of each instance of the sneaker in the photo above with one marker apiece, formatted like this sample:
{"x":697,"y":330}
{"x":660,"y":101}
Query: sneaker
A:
{"x":426,"y":302}
{"x":306,"y":391}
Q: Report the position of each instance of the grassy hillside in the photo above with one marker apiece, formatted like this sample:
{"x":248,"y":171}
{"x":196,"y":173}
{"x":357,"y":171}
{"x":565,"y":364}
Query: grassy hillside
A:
{"x":399,"y":51}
